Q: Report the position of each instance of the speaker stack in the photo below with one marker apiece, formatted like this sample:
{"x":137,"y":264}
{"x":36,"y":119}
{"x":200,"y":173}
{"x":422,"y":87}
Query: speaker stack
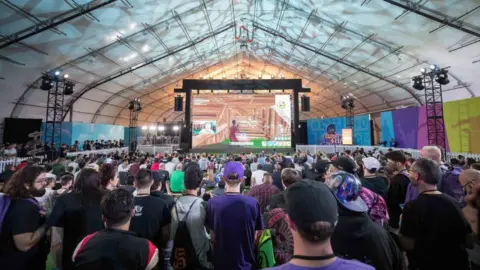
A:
{"x":305,"y":103}
{"x":178,"y":106}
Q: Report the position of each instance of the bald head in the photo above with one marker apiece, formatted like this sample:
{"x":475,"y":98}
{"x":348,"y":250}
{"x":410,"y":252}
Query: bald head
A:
{"x":469,"y":178}
{"x":432,"y":152}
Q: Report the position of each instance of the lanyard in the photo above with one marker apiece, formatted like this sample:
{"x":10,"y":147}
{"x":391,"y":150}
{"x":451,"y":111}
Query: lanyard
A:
{"x":430,"y":190}
{"x":314,"y":258}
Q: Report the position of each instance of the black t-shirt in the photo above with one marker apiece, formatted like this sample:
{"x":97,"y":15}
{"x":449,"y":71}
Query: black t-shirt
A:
{"x":79,"y":216}
{"x":277,"y":201}
{"x":23,"y":216}
{"x":168,"y":199}
{"x":376,"y":184}
{"x":114,"y":249}
{"x":437,"y":224}
{"x":396,"y":196}
{"x":357,"y":237}
{"x":151,"y":214}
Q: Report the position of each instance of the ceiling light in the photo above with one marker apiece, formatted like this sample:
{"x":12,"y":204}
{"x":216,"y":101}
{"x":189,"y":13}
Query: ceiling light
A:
{"x":417,"y":83}
{"x":145,"y":48}
{"x":152,"y":128}
{"x":161,"y":128}
{"x":144,"y":127}
{"x":46,"y":83}
{"x":133,"y":25}
{"x":175,"y":128}
{"x":57,"y":73}
{"x":433,"y":67}
{"x":68,"y":90}
{"x":423,"y":70}
{"x":442,"y":77}
{"x":65,"y":76}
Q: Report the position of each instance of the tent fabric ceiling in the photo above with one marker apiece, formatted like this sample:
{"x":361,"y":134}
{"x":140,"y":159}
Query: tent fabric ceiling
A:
{"x":143,"y":49}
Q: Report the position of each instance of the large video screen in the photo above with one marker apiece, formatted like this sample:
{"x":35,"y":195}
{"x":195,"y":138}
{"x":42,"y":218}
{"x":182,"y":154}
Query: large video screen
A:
{"x":222,"y":121}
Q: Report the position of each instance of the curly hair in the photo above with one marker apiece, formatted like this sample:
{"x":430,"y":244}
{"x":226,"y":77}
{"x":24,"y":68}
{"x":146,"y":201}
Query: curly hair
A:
{"x":117,"y":207}
{"x":15,"y":187}
{"x":107,"y":173}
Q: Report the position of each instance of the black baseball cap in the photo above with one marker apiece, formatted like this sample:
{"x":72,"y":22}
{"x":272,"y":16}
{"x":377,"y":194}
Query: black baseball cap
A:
{"x":305,"y":195}
{"x":321,"y":166}
{"x":345,"y":164}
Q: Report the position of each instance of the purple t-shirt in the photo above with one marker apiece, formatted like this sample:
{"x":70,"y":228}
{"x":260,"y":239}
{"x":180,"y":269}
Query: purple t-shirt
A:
{"x":339,"y":264}
{"x":234,"y":220}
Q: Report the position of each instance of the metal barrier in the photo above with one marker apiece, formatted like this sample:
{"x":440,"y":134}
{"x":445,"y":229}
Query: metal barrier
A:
{"x":154,"y":149}
{"x":99,"y":151}
{"x":341,"y":148}
{"x":15,"y":161}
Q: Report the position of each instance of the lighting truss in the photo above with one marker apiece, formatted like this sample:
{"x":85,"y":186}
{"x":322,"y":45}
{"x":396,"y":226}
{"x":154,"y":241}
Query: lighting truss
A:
{"x":54,"y":115}
{"x":348,"y":103}
{"x":135,"y":107}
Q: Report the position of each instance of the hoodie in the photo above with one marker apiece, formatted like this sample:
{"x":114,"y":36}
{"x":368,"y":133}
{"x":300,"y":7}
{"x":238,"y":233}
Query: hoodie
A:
{"x":357,"y":237}
{"x":195,"y":224}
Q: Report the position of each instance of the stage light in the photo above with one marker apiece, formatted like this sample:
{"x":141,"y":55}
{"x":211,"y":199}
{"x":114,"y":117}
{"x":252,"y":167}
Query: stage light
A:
{"x":442,"y":77}
{"x":139,"y":107}
{"x":152,"y":128}
{"x":46,"y":83}
{"x":175,"y":128}
{"x":65,"y":76}
{"x":282,"y":76}
{"x":417,"y":83}
{"x":433,"y":67}
{"x":131,"y":105}
{"x":201,"y":77}
{"x":144,"y":127}
{"x":236,"y":76}
{"x":68,"y":90}
{"x":423,"y":70}
{"x":259,"y":76}
{"x":161,"y":128}
{"x":57,"y":73}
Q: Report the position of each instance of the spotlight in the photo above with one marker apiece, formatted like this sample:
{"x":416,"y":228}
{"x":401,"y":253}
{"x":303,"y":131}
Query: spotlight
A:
{"x":161,"y":128}
{"x":46,"y":83}
{"x":68,"y":90}
{"x":282,"y":76}
{"x":139,"y":107}
{"x":433,"y":67}
{"x":259,"y":76}
{"x":131,"y":105}
{"x":144,"y":128}
{"x":152,"y":128}
{"x":175,"y":128}
{"x":65,"y":76}
{"x":57,"y":73}
{"x":442,"y":77}
{"x":423,"y":70}
{"x":417,"y":83}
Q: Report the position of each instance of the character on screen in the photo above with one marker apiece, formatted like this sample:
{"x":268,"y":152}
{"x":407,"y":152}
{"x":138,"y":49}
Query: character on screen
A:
{"x":207,"y":129}
{"x":233,"y":132}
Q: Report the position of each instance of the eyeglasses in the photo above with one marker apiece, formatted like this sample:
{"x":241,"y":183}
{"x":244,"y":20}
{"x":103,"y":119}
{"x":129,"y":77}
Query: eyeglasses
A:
{"x":41,"y":180}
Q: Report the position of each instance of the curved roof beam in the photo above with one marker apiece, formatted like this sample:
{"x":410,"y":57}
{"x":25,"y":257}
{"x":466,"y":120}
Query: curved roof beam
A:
{"x":137,"y":66}
{"x":337,"y":59}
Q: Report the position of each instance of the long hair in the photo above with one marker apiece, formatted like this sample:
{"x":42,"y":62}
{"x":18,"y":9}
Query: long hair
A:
{"x":15,"y":187}
{"x":107,"y":173}
{"x":88,"y":187}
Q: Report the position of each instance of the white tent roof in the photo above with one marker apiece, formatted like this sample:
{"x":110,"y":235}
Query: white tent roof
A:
{"x":143,"y":49}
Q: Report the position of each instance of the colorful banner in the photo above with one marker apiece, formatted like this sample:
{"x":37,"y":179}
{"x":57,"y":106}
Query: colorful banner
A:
{"x":386,"y":126}
{"x":462,"y":123}
{"x":405,"y":126}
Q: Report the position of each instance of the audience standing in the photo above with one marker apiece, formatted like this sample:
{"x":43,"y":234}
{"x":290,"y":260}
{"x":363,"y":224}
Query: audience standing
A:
{"x":398,"y":186}
{"x":264,"y":192}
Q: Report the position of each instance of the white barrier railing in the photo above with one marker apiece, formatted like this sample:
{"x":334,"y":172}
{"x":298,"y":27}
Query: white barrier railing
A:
{"x":15,"y":161}
{"x":98,"y":151}
{"x":340,"y":148}
{"x":154,"y":149}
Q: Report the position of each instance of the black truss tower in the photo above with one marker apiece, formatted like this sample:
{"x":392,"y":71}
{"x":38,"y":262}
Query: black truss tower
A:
{"x":434,"y":111}
{"x":349,"y":115}
{"x":132,"y":131}
{"x":54,"y":117}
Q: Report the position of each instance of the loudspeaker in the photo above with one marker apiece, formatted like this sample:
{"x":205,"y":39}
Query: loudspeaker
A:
{"x":178,"y":104}
{"x":305,"y":103}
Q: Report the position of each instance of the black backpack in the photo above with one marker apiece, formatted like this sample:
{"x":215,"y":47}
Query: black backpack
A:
{"x":183,"y":255}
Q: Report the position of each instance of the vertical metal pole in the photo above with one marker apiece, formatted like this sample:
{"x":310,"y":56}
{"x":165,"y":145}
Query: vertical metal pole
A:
{"x":296,"y":116}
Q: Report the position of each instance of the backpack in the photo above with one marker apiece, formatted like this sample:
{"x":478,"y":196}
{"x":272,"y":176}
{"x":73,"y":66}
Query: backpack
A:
{"x":265,"y":256}
{"x":5,"y":202}
{"x":450,"y":185}
{"x":184,"y":255}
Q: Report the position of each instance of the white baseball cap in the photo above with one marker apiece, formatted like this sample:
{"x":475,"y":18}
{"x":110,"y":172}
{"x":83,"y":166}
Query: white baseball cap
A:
{"x":371,"y":163}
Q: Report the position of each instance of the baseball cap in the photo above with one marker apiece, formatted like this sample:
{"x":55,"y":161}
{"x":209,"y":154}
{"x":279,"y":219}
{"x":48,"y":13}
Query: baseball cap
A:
{"x":346,"y":187}
{"x":233,"y":167}
{"x":319,"y":168}
{"x":305,"y":195}
{"x":345,"y":164}
{"x":371,"y":163}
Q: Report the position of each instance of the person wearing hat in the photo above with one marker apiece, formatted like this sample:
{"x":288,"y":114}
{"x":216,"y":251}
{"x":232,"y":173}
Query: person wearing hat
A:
{"x":356,"y":235}
{"x":344,"y":163}
{"x":232,"y":220}
{"x":312,"y":230}
{"x":370,"y":178}
{"x":319,"y":170}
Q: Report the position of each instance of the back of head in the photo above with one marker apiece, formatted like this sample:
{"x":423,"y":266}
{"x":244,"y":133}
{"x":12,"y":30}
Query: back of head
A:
{"x":143,"y":179}
{"x":117,"y":207}
{"x":87,"y":179}
{"x":289,"y":176}
{"x":260,"y":167}
{"x":428,"y":170}
{"x":396,"y":156}
{"x":66,"y":178}
{"x":432,"y":152}
{"x":193,"y":177}
{"x":107,"y":173}
{"x":469,"y":178}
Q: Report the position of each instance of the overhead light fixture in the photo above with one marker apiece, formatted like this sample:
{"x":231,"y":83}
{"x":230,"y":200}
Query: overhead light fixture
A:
{"x":433,"y":67}
{"x":423,"y":70}
{"x":442,"y":77}
{"x":175,"y":128}
{"x":161,"y":128}
{"x":65,"y":76}
{"x":417,"y":83}
{"x":144,"y":127}
{"x":259,"y":76}
{"x":152,"y":128}
{"x":47,"y":83}
{"x":57,"y":73}
{"x":68,"y":90}
{"x":282,"y":76}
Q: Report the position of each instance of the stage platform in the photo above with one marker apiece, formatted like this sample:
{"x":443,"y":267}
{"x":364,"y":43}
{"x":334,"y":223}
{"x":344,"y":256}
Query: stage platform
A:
{"x":228,"y":149}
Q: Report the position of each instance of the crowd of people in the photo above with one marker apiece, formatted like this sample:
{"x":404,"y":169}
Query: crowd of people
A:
{"x":351,"y":210}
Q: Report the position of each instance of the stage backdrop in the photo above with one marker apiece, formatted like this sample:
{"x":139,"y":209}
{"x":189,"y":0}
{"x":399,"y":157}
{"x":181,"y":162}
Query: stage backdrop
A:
{"x":66,"y":133}
{"x":318,"y":127}
{"x":87,"y":131}
{"x":462,"y":120}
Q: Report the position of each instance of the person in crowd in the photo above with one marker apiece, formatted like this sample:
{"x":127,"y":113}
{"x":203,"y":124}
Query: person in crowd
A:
{"x":175,"y":185}
{"x":345,"y":164}
{"x":289,"y":176}
{"x":219,"y":190}
{"x":115,"y":247}
{"x":232,"y":220}
{"x":108,"y":176}
{"x":470,"y":179}
{"x":433,"y":227}
{"x":191,"y":209}
{"x":371,"y":180}
{"x":356,"y":236}
{"x":156,"y":191}
{"x":268,"y":166}
{"x":450,"y":183}
{"x":7,"y":174}
{"x":143,"y":163}
{"x":397,"y":191}
{"x":247,"y":174}
{"x":66,"y":183}
{"x":50,"y":180}
{"x":58,"y":167}
{"x":73,"y":163}
{"x":81,"y":165}
{"x":319,"y":170}
{"x":152,"y":218}
{"x":312,"y":230}
{"x":277,"y":177}
{"x":170,"y":166}
{"x":76,"y":215}
{"x":203,"y":162}
{"x":469,"y":163}
{"x":94,"y":163}
{"x":254,"y":165}
{"x":264,"y":192}
{"x":257,"y":176}
{"x":156,"y":165}
{"x":124,"y":166}
{"x":22,"y":235}
{"x":134,"y":167}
